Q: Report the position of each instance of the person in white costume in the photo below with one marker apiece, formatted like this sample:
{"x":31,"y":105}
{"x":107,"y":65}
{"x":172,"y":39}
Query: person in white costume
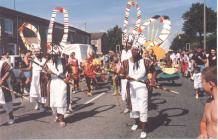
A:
{"x":5,"y":95}
{"x":125,"y":55}
{"x":58,"y":89}
{"x":137,"y":69}
{"x":35,"y":88}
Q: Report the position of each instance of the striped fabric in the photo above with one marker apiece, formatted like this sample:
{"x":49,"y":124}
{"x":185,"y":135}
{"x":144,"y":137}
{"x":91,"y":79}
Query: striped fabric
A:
{"x":131,"y":3}
{"x":27,"y":44}
{"x":7,"y":94}
{"x":51,"y":26}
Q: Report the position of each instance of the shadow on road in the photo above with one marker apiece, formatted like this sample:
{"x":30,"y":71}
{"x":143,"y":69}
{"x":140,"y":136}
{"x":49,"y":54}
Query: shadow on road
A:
{"x":14,"y":109}
{"x":86,"y":114}
{"x":153,"y":103}
{"x":81,"y":106}
{"x":170,"y":84}
{"x":99,"y":92}
{"x":32,"y":116}
{"x":74,"y":100}
{"x":163,"y":118}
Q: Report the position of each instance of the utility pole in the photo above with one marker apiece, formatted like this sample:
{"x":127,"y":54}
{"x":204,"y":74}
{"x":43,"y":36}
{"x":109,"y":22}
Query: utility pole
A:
{"x":85,"y":26}
{"x":14,"y":5}
{"x":205,"y":26}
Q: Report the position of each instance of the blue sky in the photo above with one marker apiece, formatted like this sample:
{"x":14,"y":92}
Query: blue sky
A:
{"x":101,"y":15}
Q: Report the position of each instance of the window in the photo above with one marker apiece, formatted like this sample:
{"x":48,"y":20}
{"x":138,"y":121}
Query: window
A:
{"x":12,"y":49}
{"x":8,"y":26}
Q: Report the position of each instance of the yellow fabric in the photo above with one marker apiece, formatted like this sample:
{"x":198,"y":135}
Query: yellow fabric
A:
{"x":159,"y":52}
{"x":149,"y":76}
{"x":96,"y":62}
{"x":169,"y":70}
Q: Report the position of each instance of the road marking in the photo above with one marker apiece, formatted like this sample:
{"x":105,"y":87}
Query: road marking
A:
{"x":93,"y":99}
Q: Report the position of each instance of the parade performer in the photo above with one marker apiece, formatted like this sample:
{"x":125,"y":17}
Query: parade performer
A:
{"x":152,"y":68}
{"x":90,"y":74}
{"x":208,"y":124}
{"x":125,"y":55}
{"x":5,"y":95}
{"x":11,"y":78}
{"x":196,"y":77}
{"x":57,"y":89}
{"x":136,"y":67}
{"x":115,"y":67}
{"x":75,"y":71}
{"x":35,"y":88}
{"x":26,"y":68}
{"x":184,"y":63}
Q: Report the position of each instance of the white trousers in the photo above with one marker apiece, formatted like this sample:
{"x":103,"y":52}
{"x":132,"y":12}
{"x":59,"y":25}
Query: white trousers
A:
{"x":59,"y":110}
{"x":123,"y":89}
{"x":139,"y":100}
{"x":38,"y":99}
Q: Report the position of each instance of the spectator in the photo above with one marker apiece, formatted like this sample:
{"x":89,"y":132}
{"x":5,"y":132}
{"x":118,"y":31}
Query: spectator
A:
{"x":212,"y":58}
{"x":197,"y":82}
{"x":200,"y":58}
{"x":208,"y":124}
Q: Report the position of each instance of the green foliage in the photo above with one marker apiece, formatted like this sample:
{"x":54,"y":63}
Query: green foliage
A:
{"x":179,"y":43}
{"x":193,"y":27}
{"x":194,"y":20}
{"x":114,"y":37}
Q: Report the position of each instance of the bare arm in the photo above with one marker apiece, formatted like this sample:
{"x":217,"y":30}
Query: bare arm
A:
{"x":203,"y":127}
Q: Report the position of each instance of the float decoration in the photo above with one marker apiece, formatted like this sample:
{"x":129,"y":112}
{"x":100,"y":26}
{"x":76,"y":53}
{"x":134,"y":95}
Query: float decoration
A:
{"x":50,"y":46}
{"x":30,"y":45}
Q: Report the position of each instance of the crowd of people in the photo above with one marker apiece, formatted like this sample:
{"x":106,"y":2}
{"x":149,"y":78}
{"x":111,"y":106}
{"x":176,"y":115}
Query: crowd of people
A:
{"x":48,"y":78}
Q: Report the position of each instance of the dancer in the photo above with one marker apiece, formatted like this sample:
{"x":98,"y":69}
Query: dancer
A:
{"x":58,"y":89}
{"x":35,"y":88}
{"x":136,"y":67}
{"x":27,"y":71}
{"x":5,"y":95}
{"x":75,"y":71}
{"x":90,"y":74}
{"x":125,"y":55}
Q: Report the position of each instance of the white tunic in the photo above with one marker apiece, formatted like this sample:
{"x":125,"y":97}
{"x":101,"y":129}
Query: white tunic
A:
{"x":35,"y":90}
{"x":58,"y":88}
{"x":125,"y":55}
{"x":138,"y":91}
{"x":197,"y":80}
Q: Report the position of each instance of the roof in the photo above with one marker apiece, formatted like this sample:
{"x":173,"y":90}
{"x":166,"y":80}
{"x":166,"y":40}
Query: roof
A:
{"x":7,"y":11}
{"x":95,"y":36}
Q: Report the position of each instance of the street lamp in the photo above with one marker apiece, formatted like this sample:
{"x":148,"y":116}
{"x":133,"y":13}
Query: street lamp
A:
{"x":204,"y":25}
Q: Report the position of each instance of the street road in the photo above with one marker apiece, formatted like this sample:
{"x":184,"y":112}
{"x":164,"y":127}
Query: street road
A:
{"x":100,"y":116}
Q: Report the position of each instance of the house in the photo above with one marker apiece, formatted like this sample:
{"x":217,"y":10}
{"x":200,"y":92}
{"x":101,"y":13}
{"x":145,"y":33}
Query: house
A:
{"x":11,"y":20}
{"x":99,"y":40}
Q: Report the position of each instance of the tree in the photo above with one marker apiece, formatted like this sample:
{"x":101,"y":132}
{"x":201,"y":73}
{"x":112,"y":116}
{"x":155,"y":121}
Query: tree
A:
{"x":179,"y":42}
{"x":212,"y":41}
{"x":114,"y":37}
{"x":193,"y":22}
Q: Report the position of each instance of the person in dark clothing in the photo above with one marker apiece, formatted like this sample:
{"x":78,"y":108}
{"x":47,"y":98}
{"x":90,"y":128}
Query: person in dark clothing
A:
{"x":212,"y":58}
{"x":200,"y":58}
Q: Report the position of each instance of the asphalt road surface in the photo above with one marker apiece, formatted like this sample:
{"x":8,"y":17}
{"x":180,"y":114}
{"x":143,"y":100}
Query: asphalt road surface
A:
{"x":100,"y":116}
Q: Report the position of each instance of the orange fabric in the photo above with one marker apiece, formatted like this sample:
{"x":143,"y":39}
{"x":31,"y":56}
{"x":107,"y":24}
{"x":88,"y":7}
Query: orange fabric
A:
{"x":159,"y":52}
{"x":89,"y":69}
{"x":75,"y":67}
